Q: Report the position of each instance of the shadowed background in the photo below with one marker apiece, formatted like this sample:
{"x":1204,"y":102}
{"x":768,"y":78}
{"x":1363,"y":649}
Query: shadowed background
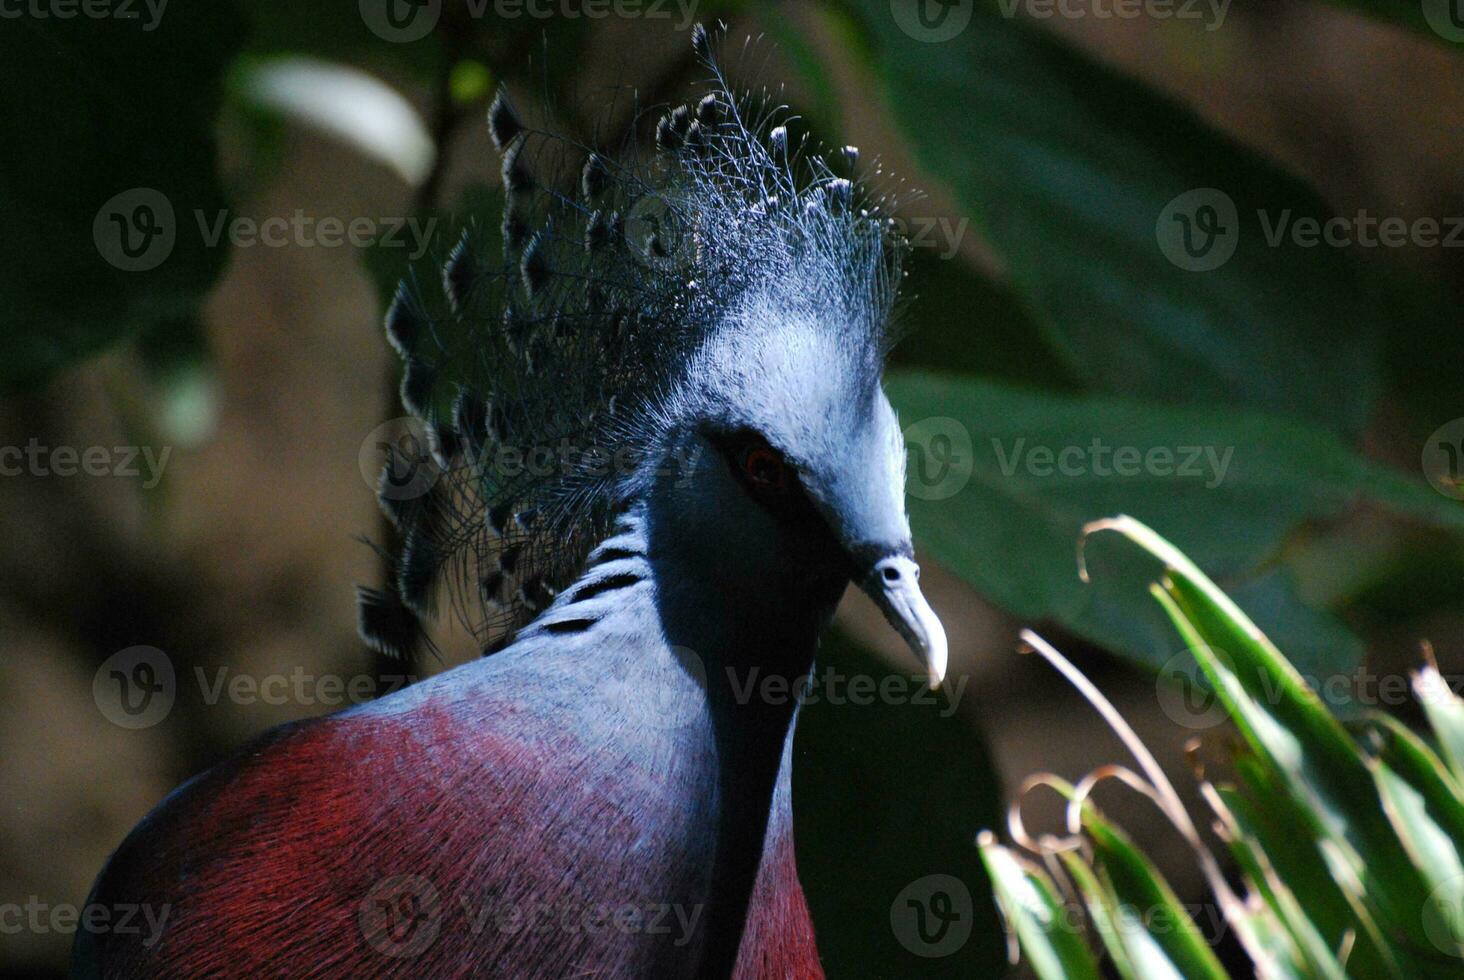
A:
{"x":1045,"y":149}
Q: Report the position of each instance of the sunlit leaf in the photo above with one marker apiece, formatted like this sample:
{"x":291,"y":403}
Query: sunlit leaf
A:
{"x":1034,"y":910}
{"x":1159,"y":933}
{"x":1289,"y":728}
{"x":1445,"y":715}
{"x":346,"y":103}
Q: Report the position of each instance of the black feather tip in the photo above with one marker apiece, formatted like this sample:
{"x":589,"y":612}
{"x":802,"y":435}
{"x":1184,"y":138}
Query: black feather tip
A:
{"x":460,"y":272}
{"x":595,"y":178}
{"x":470,"y":419}
{"x":708,"y":110}
{"x":444,"y":443}
{"x":404,"y":321}
{"x":701,"y":42}
{"x":515,"y":230}
{"x":499,"y":516}
{"x":667,"y":138}
{"x":534,"y":266}
{"x":597,"y":232}
{"x":417,"y":573}
{"x":536,"y":594}
{"x":385,"y":625}
{"x":417,"y":380}
{"x":508,"y":558}
{"x":503,"y":121}
{"x":516,"y":177}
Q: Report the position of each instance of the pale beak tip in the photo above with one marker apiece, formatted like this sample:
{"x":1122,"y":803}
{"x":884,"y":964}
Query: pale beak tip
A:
{"x":937,"y":656}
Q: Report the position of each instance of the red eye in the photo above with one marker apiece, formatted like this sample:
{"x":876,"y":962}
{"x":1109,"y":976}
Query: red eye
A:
{"x":765,"y":469}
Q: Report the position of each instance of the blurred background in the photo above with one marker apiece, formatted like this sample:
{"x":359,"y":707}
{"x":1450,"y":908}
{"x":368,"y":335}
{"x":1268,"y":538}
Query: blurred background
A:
{"x":206,"y":206}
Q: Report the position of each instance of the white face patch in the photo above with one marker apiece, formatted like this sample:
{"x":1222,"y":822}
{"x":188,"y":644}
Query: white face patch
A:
{"x":807,"y":388}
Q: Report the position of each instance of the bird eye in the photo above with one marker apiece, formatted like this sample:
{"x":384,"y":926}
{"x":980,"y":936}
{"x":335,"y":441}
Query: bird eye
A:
{"x":765,"y":470}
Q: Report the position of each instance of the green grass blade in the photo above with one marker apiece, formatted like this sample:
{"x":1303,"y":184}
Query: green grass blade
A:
{"x":1103,"y":910}
{"x":1034,"y":910}
{"x":1288,"y":727}
{"x":1291,"y":937}
{"x":1158,"y":929}
{"x":1264,"y":811}
{"x":1445,"y":713}
{"x":1423,"y":801}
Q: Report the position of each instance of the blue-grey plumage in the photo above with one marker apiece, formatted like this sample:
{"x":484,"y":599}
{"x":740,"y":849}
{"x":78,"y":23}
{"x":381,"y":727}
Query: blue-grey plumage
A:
{"x":713,"y":324}
{"x":732,"y":288}
{"x":698,"y":343}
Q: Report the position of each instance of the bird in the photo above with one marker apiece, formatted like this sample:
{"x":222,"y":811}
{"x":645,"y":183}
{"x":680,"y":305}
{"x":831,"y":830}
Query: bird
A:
{"x":660,"y":452}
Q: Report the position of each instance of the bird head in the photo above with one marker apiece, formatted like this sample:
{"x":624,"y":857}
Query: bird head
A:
{"x":725,"y":309}
{"x":801,"y":472}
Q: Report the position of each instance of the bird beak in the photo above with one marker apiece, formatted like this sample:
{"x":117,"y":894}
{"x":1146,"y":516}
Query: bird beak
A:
{"x":894,"y":585}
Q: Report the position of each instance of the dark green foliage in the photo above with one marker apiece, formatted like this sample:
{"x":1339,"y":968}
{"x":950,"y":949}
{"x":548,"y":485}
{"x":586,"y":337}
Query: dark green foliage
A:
{"x":111,"y":133}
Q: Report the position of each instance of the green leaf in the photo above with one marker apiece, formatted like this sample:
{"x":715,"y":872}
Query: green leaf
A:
{"x":1423,"y":801}
{"x":1003,"y":515}
{"x":113,"y":161}
{"x":951,"y":302}
{"x":1107,"y":918}
{"x":1276,"y":947}
{"x":1294,"y":734}
{"x":1292,"y":939}
{"x":1445,"y":713}
{"x":1161,"y":937}
{"x":1267,"y":816}
{"x":1034,"y":910}
{"x":1070,"y":171}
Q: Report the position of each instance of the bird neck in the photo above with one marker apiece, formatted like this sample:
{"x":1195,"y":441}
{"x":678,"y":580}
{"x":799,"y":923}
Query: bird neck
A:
{"x":711,"y":654}
{"x":749,"y":617}
{"x":749,"y":624}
